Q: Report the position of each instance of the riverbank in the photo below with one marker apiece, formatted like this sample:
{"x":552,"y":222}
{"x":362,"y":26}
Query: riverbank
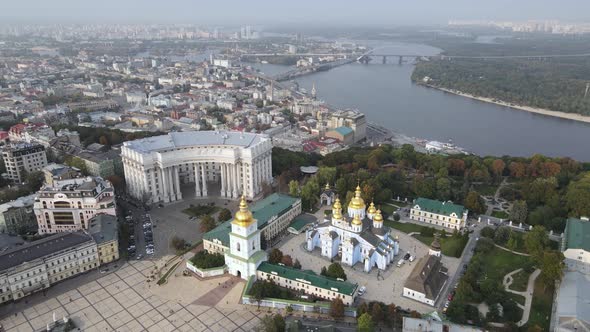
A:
{"x":562,"y":115}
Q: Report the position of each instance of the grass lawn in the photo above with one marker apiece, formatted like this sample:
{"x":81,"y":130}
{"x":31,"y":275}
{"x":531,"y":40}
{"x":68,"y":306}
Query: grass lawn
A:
{"x":388,"y":209}
{"x":200,"y":210}
{"x":521,"y":280}
{"x":541,"y":306}
{"x":451,"y":246}
{"x":500,"y":214}
{"x":500,"y":262}
{"x":517,"y":298}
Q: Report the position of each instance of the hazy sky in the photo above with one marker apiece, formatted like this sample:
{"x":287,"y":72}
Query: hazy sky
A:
{"x":391,"y":12}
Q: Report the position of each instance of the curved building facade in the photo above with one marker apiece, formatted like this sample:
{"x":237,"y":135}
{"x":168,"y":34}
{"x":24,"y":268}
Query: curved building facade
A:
{"x":157,"y":167}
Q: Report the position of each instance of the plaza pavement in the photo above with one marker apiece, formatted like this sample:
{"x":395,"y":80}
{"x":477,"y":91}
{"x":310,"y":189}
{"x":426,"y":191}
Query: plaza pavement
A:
{"x":386,"y":288}
{"x":123,"y":300}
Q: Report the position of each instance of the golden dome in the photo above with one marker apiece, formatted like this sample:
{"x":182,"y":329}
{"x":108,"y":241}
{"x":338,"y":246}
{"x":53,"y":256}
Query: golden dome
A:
{"x":356,"y":220}
{"x":357,"y":201}
{"x":378,"y":217}
{"x":243,"y":217}
{"x":337,"y":209}
{"x":372,"y":209}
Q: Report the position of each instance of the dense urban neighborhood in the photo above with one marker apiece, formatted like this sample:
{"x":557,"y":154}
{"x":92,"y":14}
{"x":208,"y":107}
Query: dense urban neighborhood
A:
{"x":154,"y":178}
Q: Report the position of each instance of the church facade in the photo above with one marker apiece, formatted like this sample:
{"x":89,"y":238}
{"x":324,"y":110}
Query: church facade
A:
{"x":357,"y":237}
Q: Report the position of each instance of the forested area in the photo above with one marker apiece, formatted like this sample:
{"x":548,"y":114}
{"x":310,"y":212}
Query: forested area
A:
{"x":555,"y":84}
{"x":548,"y":190}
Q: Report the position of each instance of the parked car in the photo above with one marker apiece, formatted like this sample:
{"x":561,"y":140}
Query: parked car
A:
{"x":362,"y":290}
{"x":401,"y":262}
{"x":407,"y":256}
{"x":412,"y":258}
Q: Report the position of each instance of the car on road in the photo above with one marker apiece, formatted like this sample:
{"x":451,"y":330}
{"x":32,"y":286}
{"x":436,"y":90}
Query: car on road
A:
{"x":407,"y":256}
{"x":401,"y":262}
{"x":412,"y":258}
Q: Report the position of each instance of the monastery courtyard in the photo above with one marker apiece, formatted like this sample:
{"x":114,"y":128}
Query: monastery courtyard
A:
{"x":123,"y":300}
{"x":386,"y":288}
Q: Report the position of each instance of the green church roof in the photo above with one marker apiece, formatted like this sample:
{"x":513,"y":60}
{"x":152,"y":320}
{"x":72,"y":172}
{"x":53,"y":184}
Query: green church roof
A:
{"x":263,"y":211}
{"x":315,"y":280}
{"x":577,"y":234}
{"x":439,"y":207}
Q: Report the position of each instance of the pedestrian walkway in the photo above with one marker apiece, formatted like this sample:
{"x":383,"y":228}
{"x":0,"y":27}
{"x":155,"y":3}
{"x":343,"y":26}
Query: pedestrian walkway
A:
{"x":512,"y":251}
{"x":528,"y":294}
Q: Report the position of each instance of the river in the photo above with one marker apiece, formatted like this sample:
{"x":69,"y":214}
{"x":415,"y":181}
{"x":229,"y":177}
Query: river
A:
{"x":385,"y":93}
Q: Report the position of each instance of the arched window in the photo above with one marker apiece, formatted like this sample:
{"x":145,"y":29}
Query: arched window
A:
{"x":79,"y":205}
{"x":253,"y":245}
{"x":44,"y":204}
{"x":238,"y":246}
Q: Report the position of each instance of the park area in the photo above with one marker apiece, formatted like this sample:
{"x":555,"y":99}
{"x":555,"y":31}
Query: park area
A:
{"x":452,"y":245}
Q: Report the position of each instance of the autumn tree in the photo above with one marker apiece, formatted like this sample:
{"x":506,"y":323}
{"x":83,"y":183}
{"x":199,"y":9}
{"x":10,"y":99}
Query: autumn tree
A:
{"x":337,"y":308}
{"x":517,"y":169}
{"x":275,"y":256}
{"x":376,"y":312}
{"x":297,"y":264}
{"x":224,"y":215}
{"x":498,"y":167}
{"x":207,"y":223}
{"x":475,"y":203}
{"x":287,"y":260}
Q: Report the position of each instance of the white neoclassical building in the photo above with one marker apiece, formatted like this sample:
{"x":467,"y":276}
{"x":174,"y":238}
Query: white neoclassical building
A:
{"x":156,"y":167}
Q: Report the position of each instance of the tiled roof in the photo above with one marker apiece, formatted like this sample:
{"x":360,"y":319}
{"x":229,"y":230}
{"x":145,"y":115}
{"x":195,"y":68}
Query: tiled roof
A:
{"x":313,"y":279}
{"x":577,"y":234}
{"x":438,"y":207}
{"x":427,"y":277}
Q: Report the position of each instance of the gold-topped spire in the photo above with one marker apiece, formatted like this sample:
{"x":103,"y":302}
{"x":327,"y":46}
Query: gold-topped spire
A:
{"x":357,"y":201}
{"x":243,"y":217}
{"x":378,"y":217}
{"x":327,"y":186}
{"x":356,"y":220}
{"x":337,"y":209}
{"x":372,"y":208}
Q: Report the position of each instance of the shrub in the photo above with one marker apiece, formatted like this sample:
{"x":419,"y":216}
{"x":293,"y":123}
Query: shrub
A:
{"x":205,"y":260}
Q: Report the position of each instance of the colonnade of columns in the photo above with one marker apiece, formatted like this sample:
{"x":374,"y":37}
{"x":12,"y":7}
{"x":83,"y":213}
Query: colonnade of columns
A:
{"x":235,"y":178}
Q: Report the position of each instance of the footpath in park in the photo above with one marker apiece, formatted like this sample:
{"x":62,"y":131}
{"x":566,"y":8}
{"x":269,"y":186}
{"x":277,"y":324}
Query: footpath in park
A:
{"x":528,"y":294}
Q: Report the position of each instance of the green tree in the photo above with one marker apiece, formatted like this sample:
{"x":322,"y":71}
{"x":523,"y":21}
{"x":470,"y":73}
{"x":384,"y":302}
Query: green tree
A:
{"x":443,"y":189}
{"x":535,"y":242}
{"x":512,"y":243}
{"x":577,"y":197}
{"x":551,"y":268}
{"x":365,"y":323}
{"x":294,"y":188}
{"x":297,"y":264}
{"x":337,"y":308}
{"x":207,"y":223}
{"x":224,"y":215}
{"x":34,"y":180}
{"x":519,"y":212}
{"x":341,"y":186}
{"x":502,"y":235}
{"x":272,"y":323}
{"x":326,"y":175}
{"x":310,"y":193}
{"x":275,"y":256}
{"x":336,"y":271}
{"x":475,"y":203}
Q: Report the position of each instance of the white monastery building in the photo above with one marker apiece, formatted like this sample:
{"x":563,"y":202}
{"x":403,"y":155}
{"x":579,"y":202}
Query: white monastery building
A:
{"x":157,"y":167}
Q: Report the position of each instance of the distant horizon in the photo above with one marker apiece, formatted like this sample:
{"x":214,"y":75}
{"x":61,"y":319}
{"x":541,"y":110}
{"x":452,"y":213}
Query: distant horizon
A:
{"x":303,"y":12}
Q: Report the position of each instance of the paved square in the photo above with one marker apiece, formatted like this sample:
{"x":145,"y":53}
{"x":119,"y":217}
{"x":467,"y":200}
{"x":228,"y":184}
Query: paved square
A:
{"x":125,"y":301}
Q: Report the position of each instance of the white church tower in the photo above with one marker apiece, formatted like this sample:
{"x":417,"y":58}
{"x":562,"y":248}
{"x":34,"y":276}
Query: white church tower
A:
{"x":244,"y":255}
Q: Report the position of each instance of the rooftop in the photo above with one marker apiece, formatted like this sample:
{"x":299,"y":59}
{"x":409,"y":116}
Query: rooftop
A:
{"x":577,"y":234}
{"x":41,"y":248}
{"x":438,"y":207}
{"x":344,"y":131}
{"x":103,"y":228}
{"x":192,"y":138}
{"x":573,"y":302}
{"x":427,"y":277}
{"x":17,"y":203}
{"x":313,"y":279}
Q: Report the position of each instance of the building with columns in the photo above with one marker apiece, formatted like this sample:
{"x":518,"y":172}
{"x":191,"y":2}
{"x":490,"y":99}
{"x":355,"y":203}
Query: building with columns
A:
{"x":156,"y":168}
